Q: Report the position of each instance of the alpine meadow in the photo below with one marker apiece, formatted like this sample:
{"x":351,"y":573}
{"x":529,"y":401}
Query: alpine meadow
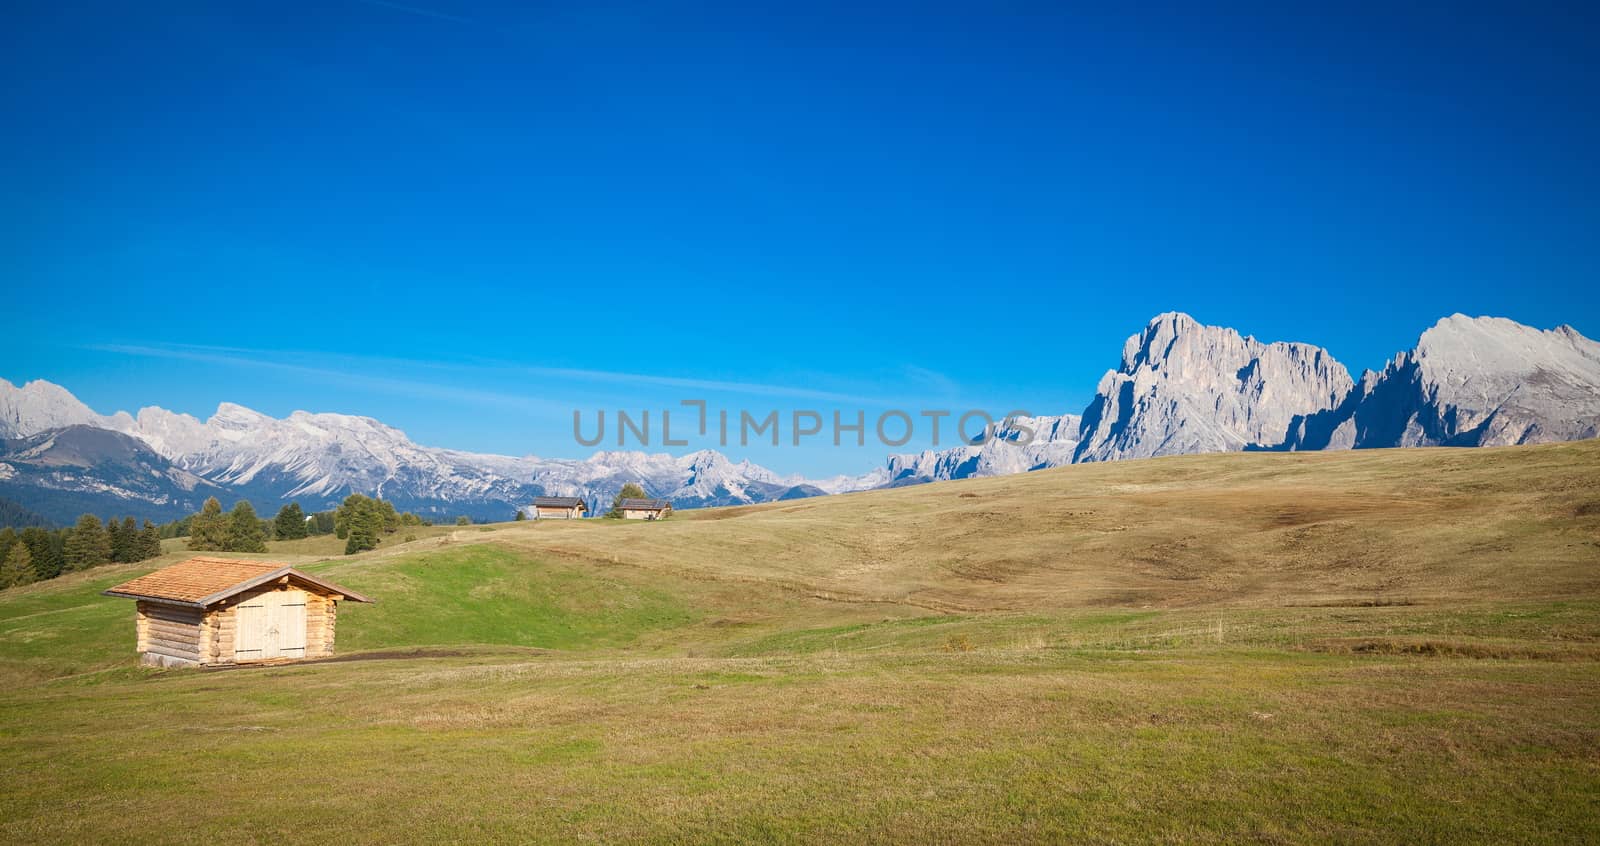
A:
{"x":1391,"y":645}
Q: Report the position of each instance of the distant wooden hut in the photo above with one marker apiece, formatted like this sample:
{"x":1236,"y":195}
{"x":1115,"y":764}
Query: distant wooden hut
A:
{"x":644,"y":509}
{"x":558,"y":508}
{"x":222,"y":611}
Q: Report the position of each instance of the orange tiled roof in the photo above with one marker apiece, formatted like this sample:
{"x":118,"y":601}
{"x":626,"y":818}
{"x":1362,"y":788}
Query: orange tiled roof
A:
{"x":204,"y":580}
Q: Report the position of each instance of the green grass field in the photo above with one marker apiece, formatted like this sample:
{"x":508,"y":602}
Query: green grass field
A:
{"x":1365,"y":648}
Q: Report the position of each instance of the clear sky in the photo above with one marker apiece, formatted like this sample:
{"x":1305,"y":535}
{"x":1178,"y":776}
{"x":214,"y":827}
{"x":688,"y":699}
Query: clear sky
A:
{"x":469,"y":218}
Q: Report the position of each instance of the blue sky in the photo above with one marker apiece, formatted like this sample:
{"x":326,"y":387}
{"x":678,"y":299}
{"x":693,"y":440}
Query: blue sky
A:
{"x":468,"y":219}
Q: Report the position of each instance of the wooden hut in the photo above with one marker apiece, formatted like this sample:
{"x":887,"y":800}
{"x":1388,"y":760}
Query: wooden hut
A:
{"x":558,"y":508}
{"x":221,"y":611}
{"x":644,"y":509}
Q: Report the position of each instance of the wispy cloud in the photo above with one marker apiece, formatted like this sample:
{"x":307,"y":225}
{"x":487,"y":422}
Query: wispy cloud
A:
{"x":708,"y":385}
{"x":414,"y":10}
{"x":354,"y":373}
{"x":414,"y":388}
{"x":932,"y":379}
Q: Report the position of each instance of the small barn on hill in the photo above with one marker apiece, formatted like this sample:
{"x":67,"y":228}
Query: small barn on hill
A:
{"x":221,"y":611}
{"x":558,"y":507}
{"x":644,"y":509}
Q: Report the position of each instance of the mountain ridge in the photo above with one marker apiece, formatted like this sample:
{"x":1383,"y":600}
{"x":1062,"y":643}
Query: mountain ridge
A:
{"x":1181,"y":387}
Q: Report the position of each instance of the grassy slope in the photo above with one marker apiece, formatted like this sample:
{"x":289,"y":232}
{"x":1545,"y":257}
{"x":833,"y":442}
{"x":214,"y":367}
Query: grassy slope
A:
{"x":1242,"y":529}
{"x":1188,"y":650}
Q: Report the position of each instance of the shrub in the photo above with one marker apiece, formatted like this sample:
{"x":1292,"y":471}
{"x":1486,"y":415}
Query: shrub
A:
{"x":958,"y":643}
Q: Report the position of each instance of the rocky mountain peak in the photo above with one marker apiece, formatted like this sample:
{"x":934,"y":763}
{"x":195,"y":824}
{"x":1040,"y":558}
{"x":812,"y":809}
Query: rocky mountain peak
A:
{"x":1154,"y":344}
{"x":39,"y":406}
{"x":1471,"y":381}
{"x":1186,"y":387}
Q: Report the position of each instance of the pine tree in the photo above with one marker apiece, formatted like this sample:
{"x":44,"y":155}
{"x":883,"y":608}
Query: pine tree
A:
{"x":177,"y":528}
{"x":88,"y":546}
{"x":365,"y":526}
{"x":17,"y":567}
{"x":208,"y":530}
{"x":391,"y":518}
{"x":362,"y":537}
{"x":8,"y":537}
{"x":629,"y":491}
{"x":43,"y":548}
{"x":290,"y":523}
{"x":57,"y":551}
{"x":114,"y":539}
{"x":124,"y":537}
{"x":244,"y":529}
{"x":360,"y":521}
{"x":346,"y":513}
{"x":149,"y":542}
{"x":521,"y":515}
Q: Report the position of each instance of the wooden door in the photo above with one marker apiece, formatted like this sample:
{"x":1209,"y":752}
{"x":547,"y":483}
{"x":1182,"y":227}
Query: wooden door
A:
{"x":271,"y":625}
{"x":288,"y":625}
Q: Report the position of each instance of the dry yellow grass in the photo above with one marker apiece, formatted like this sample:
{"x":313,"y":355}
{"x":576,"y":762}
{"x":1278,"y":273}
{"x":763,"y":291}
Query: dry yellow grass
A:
{"x":1434,"y":525}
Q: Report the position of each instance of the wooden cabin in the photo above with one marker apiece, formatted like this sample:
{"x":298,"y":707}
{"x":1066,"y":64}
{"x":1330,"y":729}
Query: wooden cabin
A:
{"x":207,"y":611}
{"x":644,"y":509}
{"x":558,"y":508}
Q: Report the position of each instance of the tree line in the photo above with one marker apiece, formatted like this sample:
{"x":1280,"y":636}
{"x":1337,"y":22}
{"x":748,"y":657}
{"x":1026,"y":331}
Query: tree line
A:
{"x":360,"y":521}
{"x":36,"y":553}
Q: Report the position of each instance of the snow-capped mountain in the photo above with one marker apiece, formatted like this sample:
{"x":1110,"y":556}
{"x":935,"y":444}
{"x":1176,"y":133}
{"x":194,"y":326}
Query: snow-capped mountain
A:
{"x":320,"y":458}
{"x":699,"y":479}
{"x":327,"y":456}
{"x":1483,"y":381}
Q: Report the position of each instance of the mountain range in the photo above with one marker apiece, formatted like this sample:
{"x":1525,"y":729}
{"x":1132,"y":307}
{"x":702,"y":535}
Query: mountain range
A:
{"x":60,"y":458}
{"x":1180,"y":387}
{"x":1183,"y":387}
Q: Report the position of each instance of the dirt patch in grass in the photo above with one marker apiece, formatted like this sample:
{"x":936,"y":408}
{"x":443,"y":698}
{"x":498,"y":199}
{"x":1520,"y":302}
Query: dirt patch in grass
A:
{"x":1439,"y":648}
{"x":723,"y":513}
{"x":1374,"y":602}
{"x":380,"y":655}
{"x":395,"y":655}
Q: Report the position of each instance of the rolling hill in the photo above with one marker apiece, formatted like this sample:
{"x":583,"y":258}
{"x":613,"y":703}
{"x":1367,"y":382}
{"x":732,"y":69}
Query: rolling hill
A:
{"x":1241,"y":528}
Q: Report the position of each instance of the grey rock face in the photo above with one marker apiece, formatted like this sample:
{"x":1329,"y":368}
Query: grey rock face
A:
{"x":1016,"y":445}
{"x":1186,"y":388}
{"x":39,"y":406}
{"x":1483,"y":381}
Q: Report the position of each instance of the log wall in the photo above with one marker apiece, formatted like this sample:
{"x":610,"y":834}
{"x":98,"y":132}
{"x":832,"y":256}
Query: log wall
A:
{"x":169,"y":635}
